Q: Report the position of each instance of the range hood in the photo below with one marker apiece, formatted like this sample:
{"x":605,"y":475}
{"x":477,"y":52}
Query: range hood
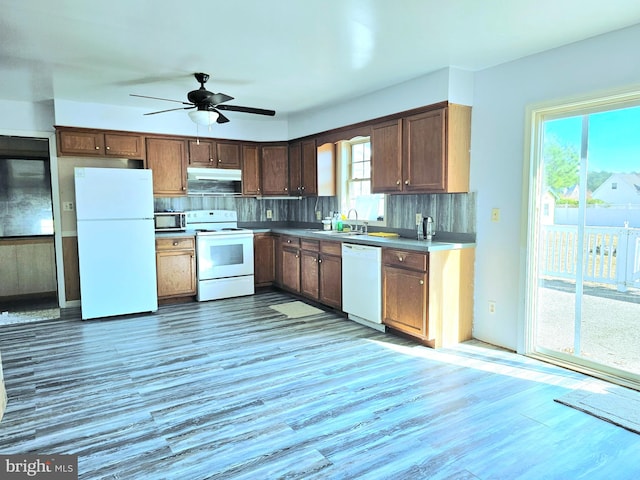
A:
{"x":214,"y":181}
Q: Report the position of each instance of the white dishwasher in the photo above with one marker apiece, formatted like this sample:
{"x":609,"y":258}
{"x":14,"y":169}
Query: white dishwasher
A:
{"x":362,"y":284}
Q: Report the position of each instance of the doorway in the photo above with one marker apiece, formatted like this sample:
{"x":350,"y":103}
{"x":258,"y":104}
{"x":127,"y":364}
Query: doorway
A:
{"x":27,"y":252}
{"x":584,"y":238}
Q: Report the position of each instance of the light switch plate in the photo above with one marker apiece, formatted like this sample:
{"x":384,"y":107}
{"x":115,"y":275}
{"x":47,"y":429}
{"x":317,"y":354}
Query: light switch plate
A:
{"x":67,"y":206}
{"x":495,"y":214}
{"x":269,"y":214}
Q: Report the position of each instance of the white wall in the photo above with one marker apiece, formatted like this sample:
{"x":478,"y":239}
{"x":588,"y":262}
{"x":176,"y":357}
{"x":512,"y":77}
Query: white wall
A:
{"x":112,"y":117}
{"x":601,"y":64}
{"x":26,"y":117}
{"x":445,"y":84}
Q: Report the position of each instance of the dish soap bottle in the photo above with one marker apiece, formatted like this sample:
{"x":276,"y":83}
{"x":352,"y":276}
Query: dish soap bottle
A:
{"x":339,"y":223}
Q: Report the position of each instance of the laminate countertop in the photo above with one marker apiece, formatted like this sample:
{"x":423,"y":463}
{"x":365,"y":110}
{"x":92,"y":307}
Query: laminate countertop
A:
{"x":359,"y":239}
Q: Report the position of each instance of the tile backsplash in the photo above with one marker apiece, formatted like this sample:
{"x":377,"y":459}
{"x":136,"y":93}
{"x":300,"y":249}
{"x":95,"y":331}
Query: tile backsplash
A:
{"x":455,"y":212}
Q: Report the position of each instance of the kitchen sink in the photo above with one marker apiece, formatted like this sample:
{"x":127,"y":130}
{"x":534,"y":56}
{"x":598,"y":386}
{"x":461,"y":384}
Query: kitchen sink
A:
{"x":335,"y":232}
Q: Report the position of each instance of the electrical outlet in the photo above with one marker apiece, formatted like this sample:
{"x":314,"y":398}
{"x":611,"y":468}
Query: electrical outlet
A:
{"x":318,"y":215}
{"x":492,"y":306}
{"x":67,"y":206}
{"x":418,"y":219}
{"x":269,"y":214}
{"x":495,"y":214}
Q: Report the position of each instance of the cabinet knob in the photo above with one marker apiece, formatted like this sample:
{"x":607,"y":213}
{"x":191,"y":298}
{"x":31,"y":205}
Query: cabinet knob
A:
{"x":175,"y":244}
{"x":401,"y":259}
{"x":421,"y":282}
{"x":97,"y":148}
{"x":406,"y":182}
{"x":211,"y":160}
{"x":397,"y":182}
{"x":288,"y":241}
{"x":302,"y":188}
{"x":285,"y":189}
{"x":320,"y":260}
{"x":108,"y":148}
{"x":315,"y":260}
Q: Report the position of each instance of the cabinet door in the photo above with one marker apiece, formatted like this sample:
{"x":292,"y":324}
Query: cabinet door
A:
{"x":424,"y":158}
{"x":309,"y":168}
{"x":176,"y":273}
{"x":291,"y":269}
{"x":295,"y":168}
{"x":274,"y":165}
{"x":386,"y":157}
{"x":202,"y":153}
{"x":228,"y":155}
{"x":71,"y":142}
{"x":309,"y":274}
{"x":168,"y":160}
{"x":331,"y":280}
{"x":124,"y":145}
{"x":250,"y":170}
{"x":264,"y":259}
{"x":404,"y":303}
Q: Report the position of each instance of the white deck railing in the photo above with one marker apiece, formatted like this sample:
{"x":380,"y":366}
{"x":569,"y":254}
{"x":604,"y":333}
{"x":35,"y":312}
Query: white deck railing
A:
{"x":611,"y":255}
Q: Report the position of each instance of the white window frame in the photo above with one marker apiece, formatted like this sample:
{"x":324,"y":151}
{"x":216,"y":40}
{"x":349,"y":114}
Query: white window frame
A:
{"x":343,"y":154}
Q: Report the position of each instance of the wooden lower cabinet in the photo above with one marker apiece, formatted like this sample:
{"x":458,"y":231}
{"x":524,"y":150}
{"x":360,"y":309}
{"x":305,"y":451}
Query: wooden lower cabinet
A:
{"x":176,"y":267}
{"x":264,"y":259}
{"x":321,"y":271}
{"x":405,"y":292}
{"x":330,"y":274}
{"x":290,"y":263}
{"x":429,"y":296}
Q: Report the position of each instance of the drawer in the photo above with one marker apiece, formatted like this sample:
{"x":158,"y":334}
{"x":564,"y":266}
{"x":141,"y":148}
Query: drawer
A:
{"x":176,"y":243}
{"x":406,"y":259}
{"x":331,"y":248}
{"x":290,"y":241}
{"x":312,"y":245}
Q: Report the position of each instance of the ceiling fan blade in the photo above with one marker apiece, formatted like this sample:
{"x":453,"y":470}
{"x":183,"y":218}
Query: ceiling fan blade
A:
{"x":222,"y":118}
{"x":157,"y":98}
{"x":237,"y":108}
{"x":171,"y":110}
{"x":217,"y":98}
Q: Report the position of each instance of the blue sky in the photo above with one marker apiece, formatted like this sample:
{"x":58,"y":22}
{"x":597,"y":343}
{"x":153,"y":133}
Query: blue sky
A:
{"x":614,"y":138}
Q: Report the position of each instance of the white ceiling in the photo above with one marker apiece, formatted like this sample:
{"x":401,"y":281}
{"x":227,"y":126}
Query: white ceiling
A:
{"x":288,"y":55}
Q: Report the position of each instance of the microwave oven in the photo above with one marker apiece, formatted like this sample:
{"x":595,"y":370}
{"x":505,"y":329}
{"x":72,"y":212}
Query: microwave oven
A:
{"x":170,"y":221}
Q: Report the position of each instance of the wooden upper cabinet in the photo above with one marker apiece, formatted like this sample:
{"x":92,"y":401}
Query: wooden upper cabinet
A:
{"x":426,"y":152}
{"x":167,"y":158}
{"x":202,"y":153}
{"x":423,"y":159}
{"x":228,"y":154}
{"x":309,"y":162}
{"x":312,"y":169}
{"x":96,"y":143}
{"x":124,"y":145}
{"x":386,"y":157}
{"x":295,"y":168}
{"x":250,"y":170}
{"x":274,"y":165}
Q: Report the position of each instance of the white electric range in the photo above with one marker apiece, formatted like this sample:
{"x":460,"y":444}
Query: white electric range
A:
{"x":224,"y":254}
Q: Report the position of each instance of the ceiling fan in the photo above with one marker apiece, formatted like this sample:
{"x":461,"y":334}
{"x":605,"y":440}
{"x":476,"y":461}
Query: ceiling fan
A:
{"x":207,"y":105}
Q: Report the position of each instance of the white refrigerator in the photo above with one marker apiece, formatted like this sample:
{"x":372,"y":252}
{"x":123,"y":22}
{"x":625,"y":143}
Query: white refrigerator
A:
{"x":116,"y":241}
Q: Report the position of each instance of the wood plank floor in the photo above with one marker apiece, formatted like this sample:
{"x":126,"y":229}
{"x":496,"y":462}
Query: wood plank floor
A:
{"x":232,"y":389}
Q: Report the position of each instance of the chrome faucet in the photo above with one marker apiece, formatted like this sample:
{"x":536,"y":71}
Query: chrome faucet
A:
{"x":350,"y":224}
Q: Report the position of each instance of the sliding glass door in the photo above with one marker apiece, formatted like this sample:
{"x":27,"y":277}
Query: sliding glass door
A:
{"x":584,"y":255}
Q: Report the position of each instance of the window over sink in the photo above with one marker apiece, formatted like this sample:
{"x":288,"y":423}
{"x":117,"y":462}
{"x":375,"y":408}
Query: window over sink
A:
{"x":354,"y":167}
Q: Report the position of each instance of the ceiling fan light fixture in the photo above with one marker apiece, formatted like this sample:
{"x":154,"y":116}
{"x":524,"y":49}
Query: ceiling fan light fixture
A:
{"x":203,"y":117}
